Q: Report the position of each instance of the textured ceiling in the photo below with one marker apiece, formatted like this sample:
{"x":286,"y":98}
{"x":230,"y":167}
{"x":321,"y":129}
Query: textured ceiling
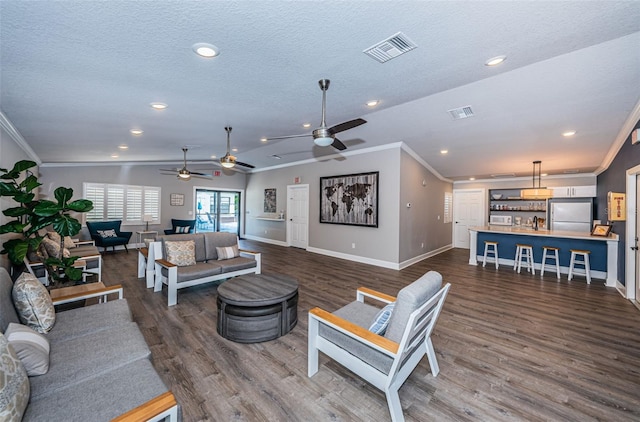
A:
{"x":76,"y":76}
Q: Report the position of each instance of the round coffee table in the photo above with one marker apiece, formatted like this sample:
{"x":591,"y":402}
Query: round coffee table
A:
{"x":258,"y":307}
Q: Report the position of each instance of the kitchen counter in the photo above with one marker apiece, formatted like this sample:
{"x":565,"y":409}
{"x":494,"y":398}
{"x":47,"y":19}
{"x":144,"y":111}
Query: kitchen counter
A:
{"x":604,"y":250}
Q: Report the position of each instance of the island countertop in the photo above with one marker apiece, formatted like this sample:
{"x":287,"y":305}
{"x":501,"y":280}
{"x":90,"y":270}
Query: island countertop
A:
{"x":543,"y":232}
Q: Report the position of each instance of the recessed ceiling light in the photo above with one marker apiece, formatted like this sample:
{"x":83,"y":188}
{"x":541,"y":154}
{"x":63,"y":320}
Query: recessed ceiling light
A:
{"x":214,"y":156}
{"x":136,"y":132}
{"x":372,"y":103}
{"x":494,"y":61}
{"x":444,"y":151}
{"x":158,"y":106}
{"x":263,"y":139}
{"x":234,"y":149}
{"x":472,"y":178}
{"x":114,"y":155}
{"x":206,"y":50}
{"x":569,"y":133}
{"x":123,"y":147}
{"x":544,"y":174}
{"x":305,"y":125}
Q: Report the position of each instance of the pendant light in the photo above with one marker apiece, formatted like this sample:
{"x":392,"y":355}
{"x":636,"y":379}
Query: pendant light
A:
{"x":536,"y":192}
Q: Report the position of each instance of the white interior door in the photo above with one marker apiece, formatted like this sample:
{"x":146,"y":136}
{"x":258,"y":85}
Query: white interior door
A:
{"x":468,"y":211}
{"x":637,"y":296}
{"x":298,"y":216}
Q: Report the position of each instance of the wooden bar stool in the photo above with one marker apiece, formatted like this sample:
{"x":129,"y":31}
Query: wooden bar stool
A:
{"x":524,"y":251}
{"x":490,"y":248}
{"x":584,"y":262}
{"x":546,"y":249}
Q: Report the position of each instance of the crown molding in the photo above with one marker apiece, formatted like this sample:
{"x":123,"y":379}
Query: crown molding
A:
{"x":13,"y":133}
{"x":426,"y":165}
{"x":622,"y":137}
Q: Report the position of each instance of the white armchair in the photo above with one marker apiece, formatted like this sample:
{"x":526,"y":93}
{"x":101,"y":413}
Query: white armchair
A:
{"x":385,"y":361}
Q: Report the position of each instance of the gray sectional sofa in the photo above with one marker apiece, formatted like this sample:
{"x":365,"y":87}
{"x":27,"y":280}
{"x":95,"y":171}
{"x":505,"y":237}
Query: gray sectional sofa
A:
{"x":99,"y":366}
{"x":208,"y":265}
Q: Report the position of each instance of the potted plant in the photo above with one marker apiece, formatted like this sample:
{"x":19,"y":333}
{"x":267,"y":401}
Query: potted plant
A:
{"x":32,"y":215}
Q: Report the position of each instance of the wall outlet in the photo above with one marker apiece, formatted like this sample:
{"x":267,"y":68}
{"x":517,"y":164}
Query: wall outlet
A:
{"x":353,"y":246}
{"x":265,"y":232}
{"x":438,"y":217}
{"x":422,"y":245}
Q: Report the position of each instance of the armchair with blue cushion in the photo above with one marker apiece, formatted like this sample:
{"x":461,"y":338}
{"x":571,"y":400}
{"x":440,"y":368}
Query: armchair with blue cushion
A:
{"x":108,"y":234}
{"x":181,"y":226}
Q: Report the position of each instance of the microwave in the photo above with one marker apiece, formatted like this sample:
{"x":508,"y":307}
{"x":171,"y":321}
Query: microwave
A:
{"x":500,"y":220}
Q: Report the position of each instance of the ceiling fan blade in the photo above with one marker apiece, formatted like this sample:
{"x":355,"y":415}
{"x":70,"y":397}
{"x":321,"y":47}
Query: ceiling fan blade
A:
{"x":195,"y":173}
{"x":172,"y":170}
{"x":347,"y":125}
{"x":289,"y":136}
{"x":238,"y":163}
{"x":337,"y":144}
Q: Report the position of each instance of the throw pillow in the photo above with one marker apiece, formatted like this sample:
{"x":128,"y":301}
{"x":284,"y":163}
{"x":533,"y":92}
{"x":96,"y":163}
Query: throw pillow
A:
{"x":53,"y":248}
{"x":381,"y":320}
{"x":32,"y":348}
{"x":33,"y":303}
{"x":14,"y":384}
{"x":227,"y":252}
{"x":182,"y":229}
{"x":107,"y":233}
{"x":181,"y":253}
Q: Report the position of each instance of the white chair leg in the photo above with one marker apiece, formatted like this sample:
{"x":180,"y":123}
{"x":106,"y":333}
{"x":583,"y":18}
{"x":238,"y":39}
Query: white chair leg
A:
{"x":172,"y":286}
{"x":395,"y":408}
{"x":517,"y":258}
{"x":587,"y":268}
{"x":544,"y":262}
{"x":557,"y":265}
{"x":571,"y":265}
{"x":312,"y":354}
{"x":530,"y":261}
{"x":431,"y":355}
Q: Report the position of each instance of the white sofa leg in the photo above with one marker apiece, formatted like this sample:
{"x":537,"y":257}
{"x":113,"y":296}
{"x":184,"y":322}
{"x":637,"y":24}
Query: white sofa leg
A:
{"x":158,"y":279}
{"x":395,"y":408}
{"x":142,"y":265}
{"x":431,"y":354}
{"x":312,"y":364}
{"x":172,"y":284}
{"x":258,"y":258}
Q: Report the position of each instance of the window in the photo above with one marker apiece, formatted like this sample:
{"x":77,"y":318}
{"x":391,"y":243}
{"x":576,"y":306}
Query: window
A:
{"x":122,"y":202}
{"x":448,"y":207}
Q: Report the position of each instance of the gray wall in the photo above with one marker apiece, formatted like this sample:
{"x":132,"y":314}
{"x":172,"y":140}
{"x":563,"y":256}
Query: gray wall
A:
{"x":144,"y":175}
{"x":10,"y":153}
{"x":423,"y":222}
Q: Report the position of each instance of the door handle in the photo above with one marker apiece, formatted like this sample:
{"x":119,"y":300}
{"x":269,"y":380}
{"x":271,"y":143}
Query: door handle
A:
{"x":634,"y":248}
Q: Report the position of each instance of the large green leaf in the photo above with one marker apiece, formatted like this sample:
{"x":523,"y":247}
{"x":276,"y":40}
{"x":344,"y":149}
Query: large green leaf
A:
{"x":8,"y":189}
{"x":16,"y":249}
{"x":47,"y":208}
{"x":30,"y":183}
{"x":63,"y":195}
{"x":24,"y":197}
{"x":14,"y":226}
{"x":66,"y":225}
{"x":18,"y":168}
{"x":15,"y":212}
{"x":80,"y":205}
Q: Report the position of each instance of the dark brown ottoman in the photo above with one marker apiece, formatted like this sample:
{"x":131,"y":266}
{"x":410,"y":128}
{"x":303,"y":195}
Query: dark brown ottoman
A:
{"x":255,"y":308}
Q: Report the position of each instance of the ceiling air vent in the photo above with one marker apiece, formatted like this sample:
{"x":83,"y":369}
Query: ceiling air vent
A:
{"x":390,"y":48}
{"x":461,"y":113}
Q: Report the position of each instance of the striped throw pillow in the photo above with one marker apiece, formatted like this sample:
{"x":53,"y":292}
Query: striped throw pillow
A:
{"x":183,"y":229}
{"x":227,"y":252}
{"x":32,"y":348}
{"x":381,"y":320}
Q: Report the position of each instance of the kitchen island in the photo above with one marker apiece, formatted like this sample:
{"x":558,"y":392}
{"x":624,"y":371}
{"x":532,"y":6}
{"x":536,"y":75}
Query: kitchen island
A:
{"x":604,"y":250}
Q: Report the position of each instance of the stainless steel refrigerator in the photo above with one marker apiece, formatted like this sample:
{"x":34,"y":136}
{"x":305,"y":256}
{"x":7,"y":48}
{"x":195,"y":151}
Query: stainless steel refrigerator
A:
{"x":575,"y":216}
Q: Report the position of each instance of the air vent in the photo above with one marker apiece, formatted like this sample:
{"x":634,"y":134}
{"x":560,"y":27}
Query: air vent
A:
{"x":390,"y":48}
{"x":461,"y":113}
{"x":499,"y":175}
{"x":571,"y":171}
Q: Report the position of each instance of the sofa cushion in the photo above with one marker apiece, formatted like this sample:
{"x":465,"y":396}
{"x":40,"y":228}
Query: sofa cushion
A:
{"x":102,"y":398}
{"x":360,"y":314}
{"x":194,"y":272}
{"x":53,"y":248}
{"x":32,"y":348}
{"x":236,"y":264}
{"x":227,"y":252}
{"x":408,"y":300}
{"x":14,"y":384}
{"x":92,"y":355}
{"x":68,"y":242}
{"x":89,"y":319}
{"x":7,"y":311}
{"x":198,"y":238}
{"x":218,"y":240}
{"x":181,"y":253}
{"x":33,"y":303}
{"x":381,"y":320}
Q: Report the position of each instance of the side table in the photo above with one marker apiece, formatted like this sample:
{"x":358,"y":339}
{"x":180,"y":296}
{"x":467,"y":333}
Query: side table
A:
{"x":146,"y":232}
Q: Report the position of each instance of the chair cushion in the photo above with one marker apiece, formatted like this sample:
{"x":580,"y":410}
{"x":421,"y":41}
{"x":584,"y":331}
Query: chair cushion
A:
{"x":227,"y":252}
{"x":381,"y":320}
{"x":107,"y":233}
{"x":194,"y":272}
{"x":408,"y":300}
{"x":14,"y":384}
{"x":32,"y":348}
{"x":215,"y":240}
{"x":181,"y":253}
{"x":236,"y":264}
{"x":196,"y":237}
{"x":33,"y":303}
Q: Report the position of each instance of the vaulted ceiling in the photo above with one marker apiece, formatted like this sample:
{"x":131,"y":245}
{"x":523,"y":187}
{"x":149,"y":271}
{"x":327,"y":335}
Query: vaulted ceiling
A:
{"x":77,"y":76}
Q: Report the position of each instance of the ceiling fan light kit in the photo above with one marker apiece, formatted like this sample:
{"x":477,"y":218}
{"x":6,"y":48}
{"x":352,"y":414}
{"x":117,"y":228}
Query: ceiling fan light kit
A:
{"x":536,"y":192}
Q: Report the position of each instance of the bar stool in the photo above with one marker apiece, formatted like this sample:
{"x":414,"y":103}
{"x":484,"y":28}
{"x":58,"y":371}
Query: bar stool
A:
{"x":524,"y":251}
{"x":546,"y":249}
{"x":490,"y":247}
{"x":586,"y":271}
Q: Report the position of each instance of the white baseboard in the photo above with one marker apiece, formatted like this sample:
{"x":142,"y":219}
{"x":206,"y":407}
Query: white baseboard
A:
{"x":356,"y":258}
{"x":621,"y":288}
{"x":424,"y":256}
{"x":265,"y":240}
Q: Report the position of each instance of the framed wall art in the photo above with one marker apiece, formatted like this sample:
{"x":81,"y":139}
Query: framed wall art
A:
{"x":176,"y":199}
{"x":350,"y":199}
{"x":270,"y":200}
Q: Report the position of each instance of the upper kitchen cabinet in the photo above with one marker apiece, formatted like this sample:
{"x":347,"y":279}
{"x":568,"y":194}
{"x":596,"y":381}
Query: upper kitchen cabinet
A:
{"x":574,"y":191}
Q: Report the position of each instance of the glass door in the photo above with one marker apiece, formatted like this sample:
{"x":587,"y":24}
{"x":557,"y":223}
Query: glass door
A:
{"x":217,"y":211}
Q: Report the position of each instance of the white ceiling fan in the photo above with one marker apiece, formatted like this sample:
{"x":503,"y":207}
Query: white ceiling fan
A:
{"x":229,"y":161}
{"x":184,"y":174}
{"x":324,"y":136}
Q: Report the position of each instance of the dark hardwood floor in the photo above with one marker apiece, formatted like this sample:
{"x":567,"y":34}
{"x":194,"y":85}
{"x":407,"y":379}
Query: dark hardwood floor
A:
{"x":510,"y":347}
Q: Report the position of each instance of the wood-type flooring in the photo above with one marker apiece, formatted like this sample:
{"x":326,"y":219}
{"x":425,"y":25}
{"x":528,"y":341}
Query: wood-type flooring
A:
{"x":511,"y":347}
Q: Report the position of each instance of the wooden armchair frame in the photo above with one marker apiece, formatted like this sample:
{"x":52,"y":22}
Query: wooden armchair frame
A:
{"x":415,"y":343}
